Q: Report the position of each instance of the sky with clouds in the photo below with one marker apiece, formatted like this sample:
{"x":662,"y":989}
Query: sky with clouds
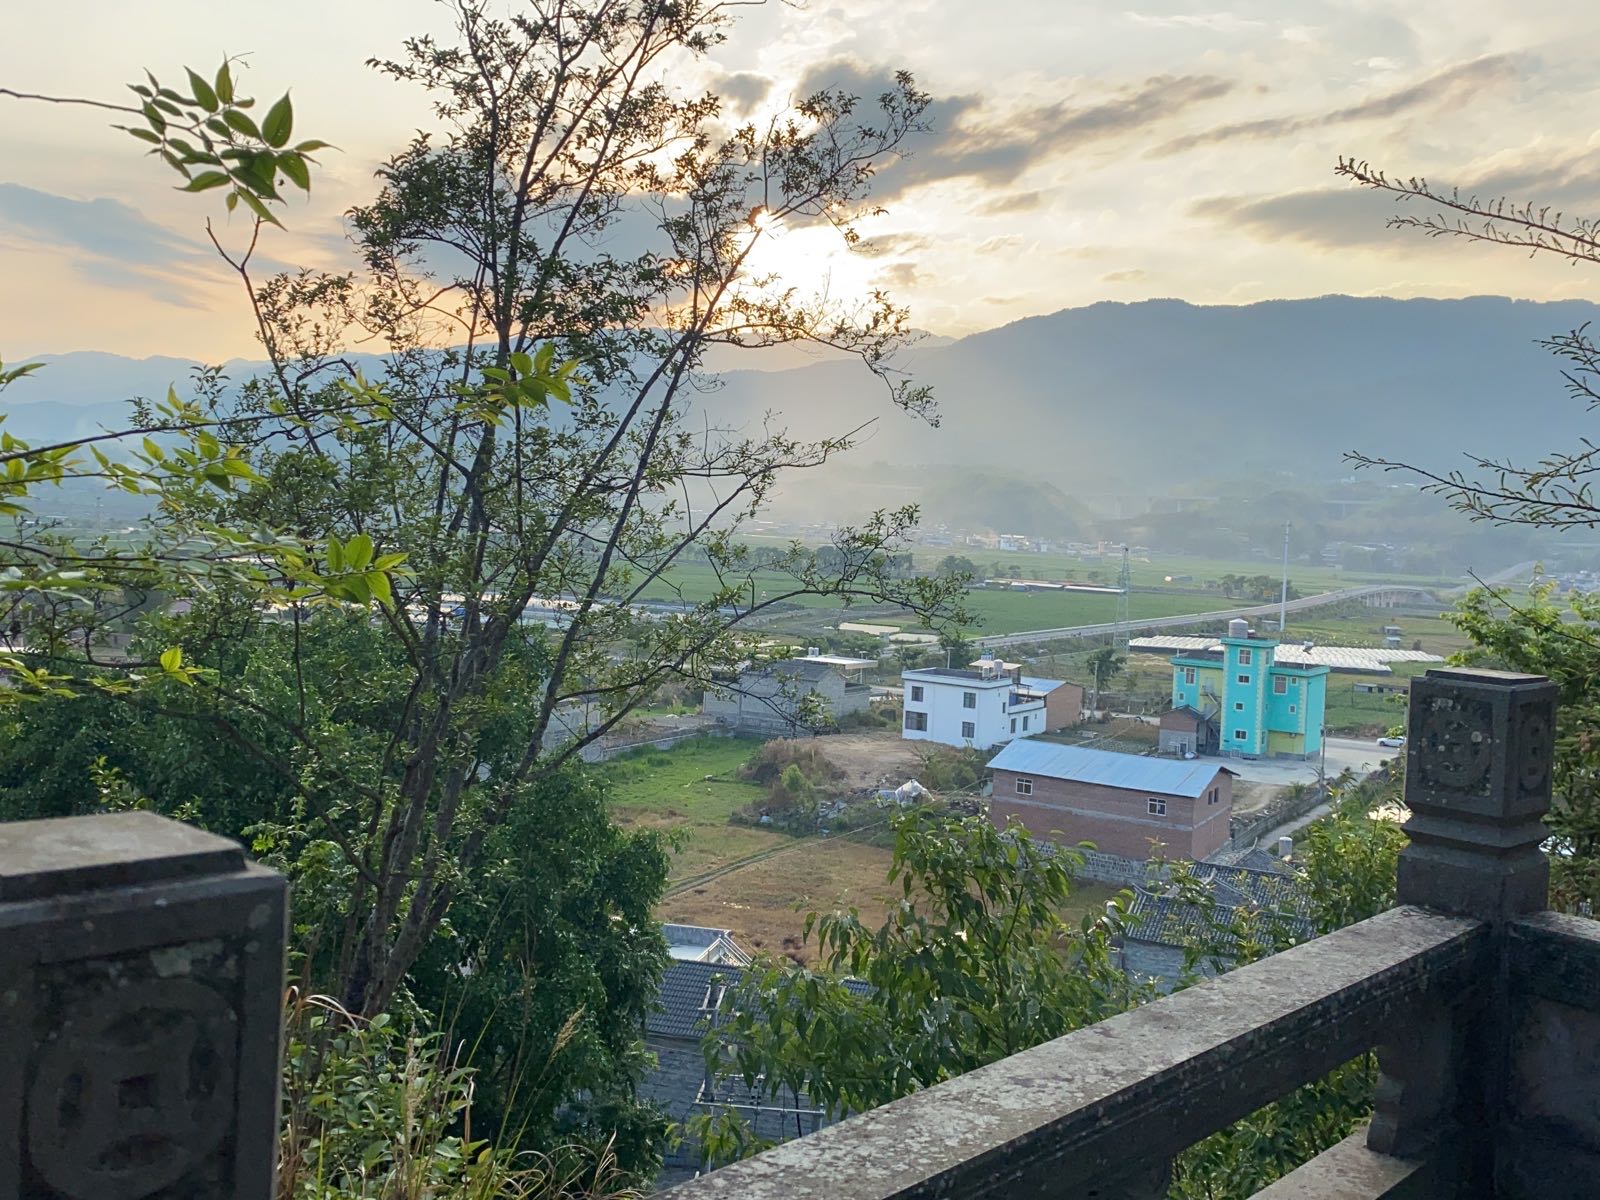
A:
{"x":1082,"y":150}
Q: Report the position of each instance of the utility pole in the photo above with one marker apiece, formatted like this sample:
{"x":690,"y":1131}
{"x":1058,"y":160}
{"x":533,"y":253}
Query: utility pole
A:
{"x":1283,"y":597}
{"x":1124,"y":588}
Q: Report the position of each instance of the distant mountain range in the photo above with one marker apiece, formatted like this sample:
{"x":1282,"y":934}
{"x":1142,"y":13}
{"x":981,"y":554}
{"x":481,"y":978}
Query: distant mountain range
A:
{"x":1142,"y":398}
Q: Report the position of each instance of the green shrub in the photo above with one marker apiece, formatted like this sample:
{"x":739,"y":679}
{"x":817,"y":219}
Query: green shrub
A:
{"x":375,"y":1112}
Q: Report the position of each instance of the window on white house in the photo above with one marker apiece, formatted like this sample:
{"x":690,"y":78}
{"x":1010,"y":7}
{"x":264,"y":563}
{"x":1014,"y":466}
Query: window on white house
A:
{"x":1244,"y":657}
{"x":968,"y":730}
{"x":969,"y":699}
{"x":1013,"y":724}
{"x":1188,"y":676}
{"x":916,"y":694}
{"x":1244,"y":679}
{"x":1240,"y":735}
{"x":1024,"y":724}
{"x":1280,"y":686}
{"x":1024,"y":787}
{"x":1158,"y":807}
{"x":917,"y":721}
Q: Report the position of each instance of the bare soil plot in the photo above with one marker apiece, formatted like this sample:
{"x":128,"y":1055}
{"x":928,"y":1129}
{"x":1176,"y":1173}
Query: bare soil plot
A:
{"x":879,"y":758}
{"x":765,"y":903}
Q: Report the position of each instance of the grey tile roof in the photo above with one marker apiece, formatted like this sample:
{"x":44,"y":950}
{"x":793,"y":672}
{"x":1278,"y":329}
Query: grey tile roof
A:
{"x":681,"y":1009}
{"x":690,"y":993}
{"x":1170,"y":920}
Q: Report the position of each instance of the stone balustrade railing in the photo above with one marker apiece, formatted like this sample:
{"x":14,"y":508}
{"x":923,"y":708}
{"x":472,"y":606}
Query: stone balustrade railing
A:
{"x":141,"y":973}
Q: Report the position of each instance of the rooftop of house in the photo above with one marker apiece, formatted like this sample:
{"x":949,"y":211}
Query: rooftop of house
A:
{"x":958,"y":675}
{"x":793,"y":668}
{"x":1164,"y":917}
{"x":1107,"y":768}
{"x":691,"y":993}
{"x":701,"y":943}
{"x":1362,"y":659}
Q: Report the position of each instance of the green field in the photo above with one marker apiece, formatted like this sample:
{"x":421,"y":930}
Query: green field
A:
{"x":765,"y":902}
{"x":1003,"y":612}
{"x":689,"y":792}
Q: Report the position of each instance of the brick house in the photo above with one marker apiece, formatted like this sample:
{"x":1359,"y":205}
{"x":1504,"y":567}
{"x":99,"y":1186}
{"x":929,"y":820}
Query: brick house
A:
{"x":1121,"y":803}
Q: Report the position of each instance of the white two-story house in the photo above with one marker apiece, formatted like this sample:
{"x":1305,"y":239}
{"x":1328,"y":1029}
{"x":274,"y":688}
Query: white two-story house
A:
{"x":979,"y":706}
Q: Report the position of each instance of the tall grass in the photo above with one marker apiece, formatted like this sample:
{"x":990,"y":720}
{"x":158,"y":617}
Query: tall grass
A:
{"x":375,"y":1112}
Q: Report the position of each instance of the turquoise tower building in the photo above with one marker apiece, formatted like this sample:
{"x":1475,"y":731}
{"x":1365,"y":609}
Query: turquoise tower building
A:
{"x":1249,"y":704}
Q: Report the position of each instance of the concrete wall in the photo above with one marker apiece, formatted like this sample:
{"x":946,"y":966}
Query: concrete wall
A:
{"x":1113,"y":869}
{"x":1180,"y":733}
{"x":768,"y":702}
{"x":942,"y":703}
{"x":1116,"y":820}
{"x":596,"y":752}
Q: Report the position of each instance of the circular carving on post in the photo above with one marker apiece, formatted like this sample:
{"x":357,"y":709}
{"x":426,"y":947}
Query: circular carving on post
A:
{"x":1457,"y":748}
{"x":1534,"y":746}
{"x":135,"y":1090}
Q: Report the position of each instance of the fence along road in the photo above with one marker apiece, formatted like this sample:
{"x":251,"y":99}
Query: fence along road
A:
{"x":1205,"y":618}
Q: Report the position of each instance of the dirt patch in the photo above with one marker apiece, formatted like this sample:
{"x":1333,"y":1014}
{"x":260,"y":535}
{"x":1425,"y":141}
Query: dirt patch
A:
{"x":881,"y":758}
{"x":765,"y":904}
{"x":1251,"y":796}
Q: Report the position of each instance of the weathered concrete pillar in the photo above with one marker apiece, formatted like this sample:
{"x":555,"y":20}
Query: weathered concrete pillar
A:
{"x":1479,"y":747}
{"x":141,"y":985}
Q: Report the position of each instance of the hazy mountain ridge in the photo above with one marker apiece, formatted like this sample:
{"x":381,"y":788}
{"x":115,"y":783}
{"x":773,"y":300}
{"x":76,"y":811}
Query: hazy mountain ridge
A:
{"x":1136,"y":398}
{"x":1126,"y":396}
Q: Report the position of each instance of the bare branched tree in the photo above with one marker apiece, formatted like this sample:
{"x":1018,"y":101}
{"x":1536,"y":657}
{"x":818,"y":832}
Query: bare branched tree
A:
{"x":1557,"y":491}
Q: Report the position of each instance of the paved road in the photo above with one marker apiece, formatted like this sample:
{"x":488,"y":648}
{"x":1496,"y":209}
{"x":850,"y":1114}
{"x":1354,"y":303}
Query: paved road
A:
{"x":1179,"y":622}
{"x":1361,"y":755}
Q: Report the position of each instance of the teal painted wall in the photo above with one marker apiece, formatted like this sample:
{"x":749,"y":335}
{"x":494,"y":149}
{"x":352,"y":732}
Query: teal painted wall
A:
{"x":1245,"y":682}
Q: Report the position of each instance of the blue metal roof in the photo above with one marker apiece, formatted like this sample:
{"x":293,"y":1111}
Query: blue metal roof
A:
{"x":1136,"y":772}
{"x":1041,"y":685}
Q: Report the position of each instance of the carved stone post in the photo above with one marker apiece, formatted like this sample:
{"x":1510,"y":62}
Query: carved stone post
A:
{"x":141,"y":985}
{"x":1478,"y":755}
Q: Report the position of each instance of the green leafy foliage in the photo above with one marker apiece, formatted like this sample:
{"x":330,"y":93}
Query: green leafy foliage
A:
{"x":1542,"y":635}
{"x":210,"y":140}
{"x":366,"y":561}
{"x":377,"y":1111}
{"x":974,"y":963}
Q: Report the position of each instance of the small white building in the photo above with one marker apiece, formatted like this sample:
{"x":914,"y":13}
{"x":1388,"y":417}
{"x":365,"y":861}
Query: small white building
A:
{"x":980,"y":706}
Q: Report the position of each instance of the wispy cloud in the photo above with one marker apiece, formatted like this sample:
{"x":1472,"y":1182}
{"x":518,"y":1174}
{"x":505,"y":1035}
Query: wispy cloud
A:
{"x":1212,"y":22}
{"x":1011,"y":202}
{"x":743,"y":90}
{"x":1455,"y":83}
{"x":1348,"y":216}
{"x":973,"y":139}
{"x":108,"y":242}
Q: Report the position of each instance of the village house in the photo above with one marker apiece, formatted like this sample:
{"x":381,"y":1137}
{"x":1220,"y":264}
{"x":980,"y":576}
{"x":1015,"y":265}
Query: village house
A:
{"x":1163,"y":927}
{"x":706,"y":963}
{"x":985,"y":704}
{"x":1129,"y":805}
{"x":790,"y":696}
{"x":1243,"y":702}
